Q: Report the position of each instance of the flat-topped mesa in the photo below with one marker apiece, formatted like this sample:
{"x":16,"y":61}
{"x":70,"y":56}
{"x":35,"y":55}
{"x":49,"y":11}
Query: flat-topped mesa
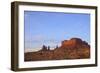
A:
{"x":74,"y":48}
{"x":71,"y":42}
{"x":74,"y":42}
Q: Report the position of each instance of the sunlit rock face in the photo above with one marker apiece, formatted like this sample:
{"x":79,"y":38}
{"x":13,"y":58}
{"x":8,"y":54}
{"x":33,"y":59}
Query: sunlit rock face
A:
{"x":74,"y":48}
{"x":74,"y":43}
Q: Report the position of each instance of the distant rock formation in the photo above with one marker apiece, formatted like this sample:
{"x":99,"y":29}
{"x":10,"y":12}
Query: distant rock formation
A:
{"x":74,"y":43}
{"x":74,"y":48}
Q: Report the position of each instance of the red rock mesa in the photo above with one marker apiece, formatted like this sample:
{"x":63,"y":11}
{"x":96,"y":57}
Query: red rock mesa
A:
{"x":74,"y":48}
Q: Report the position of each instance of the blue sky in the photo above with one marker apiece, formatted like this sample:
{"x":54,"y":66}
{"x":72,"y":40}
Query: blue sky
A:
{"x":50,"y":28}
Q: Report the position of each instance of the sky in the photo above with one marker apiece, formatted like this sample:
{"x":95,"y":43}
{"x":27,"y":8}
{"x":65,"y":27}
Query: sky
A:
{"x":50,"y":28}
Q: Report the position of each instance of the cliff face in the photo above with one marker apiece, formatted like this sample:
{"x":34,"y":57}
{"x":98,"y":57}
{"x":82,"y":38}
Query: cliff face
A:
{"x":74,"y":48}
{"x":74,"y":43}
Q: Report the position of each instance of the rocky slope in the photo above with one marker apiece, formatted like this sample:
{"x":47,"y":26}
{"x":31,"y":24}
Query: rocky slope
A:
{"x":74,"y":48}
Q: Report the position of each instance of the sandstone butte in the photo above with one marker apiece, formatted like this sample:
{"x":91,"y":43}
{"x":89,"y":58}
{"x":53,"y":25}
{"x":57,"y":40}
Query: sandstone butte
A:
{"x":74,"y":48}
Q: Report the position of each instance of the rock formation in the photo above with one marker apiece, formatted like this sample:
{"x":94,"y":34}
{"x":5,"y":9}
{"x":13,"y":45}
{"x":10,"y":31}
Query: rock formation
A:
{"x":74,"y":48}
